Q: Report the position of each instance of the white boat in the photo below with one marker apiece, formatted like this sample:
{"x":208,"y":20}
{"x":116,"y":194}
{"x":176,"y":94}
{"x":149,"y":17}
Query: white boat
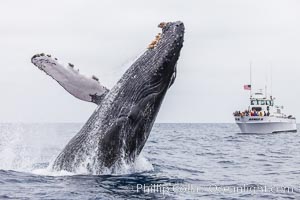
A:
{"x":263,"y":116}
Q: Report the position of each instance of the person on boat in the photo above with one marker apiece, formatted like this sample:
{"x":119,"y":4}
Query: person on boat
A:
{"x":255,"y":113}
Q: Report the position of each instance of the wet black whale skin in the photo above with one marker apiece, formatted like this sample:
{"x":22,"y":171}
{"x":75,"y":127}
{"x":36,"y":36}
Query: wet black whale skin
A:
{"x":119,"y":128}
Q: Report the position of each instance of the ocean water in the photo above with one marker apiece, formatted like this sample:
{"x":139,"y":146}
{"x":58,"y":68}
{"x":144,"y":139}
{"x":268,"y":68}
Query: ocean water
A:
{"x":179,"y":161}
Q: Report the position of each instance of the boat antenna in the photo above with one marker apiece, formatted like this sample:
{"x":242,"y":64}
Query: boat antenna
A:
{"x":266,"y":84}
{"x":271,"y":79}
{"x":250,"y":79}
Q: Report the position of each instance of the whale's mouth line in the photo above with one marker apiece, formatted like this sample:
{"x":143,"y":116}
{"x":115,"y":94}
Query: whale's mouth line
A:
{"x":143,"y":98}
{"x":146,"y":100}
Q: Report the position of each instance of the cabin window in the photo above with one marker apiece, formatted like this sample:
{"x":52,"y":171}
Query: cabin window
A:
{"x":269,"y":103}
{"x":256,"y":109}
{"x":254,"y":102}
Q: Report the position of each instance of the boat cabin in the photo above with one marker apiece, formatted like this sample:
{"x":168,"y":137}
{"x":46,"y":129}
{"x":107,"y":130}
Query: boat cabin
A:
{"x":261,"y":105}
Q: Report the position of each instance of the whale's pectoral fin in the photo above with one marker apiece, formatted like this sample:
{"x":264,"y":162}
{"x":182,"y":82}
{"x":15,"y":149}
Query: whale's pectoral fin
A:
{"x":80,"y":86}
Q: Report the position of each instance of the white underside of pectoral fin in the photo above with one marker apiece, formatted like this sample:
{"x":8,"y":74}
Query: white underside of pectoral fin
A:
{"x":80,"y":86}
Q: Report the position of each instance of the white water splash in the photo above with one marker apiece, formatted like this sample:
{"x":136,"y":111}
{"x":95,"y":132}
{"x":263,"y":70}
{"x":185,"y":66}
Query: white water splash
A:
{"x":15,"y":150}
{"x":30,"y":148}
{"x":140,"y":165}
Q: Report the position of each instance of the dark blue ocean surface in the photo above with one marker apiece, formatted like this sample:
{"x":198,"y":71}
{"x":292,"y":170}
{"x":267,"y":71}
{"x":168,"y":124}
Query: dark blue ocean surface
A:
{"x":179,"y":161}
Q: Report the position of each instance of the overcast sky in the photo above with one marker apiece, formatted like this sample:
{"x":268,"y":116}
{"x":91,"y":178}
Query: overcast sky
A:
{"x":101,"y":37}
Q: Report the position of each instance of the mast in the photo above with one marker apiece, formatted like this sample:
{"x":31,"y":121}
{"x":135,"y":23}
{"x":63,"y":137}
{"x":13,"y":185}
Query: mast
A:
{"x":266,"y":92}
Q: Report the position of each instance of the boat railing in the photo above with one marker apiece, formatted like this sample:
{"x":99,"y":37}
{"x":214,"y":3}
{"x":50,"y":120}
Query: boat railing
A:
{"x":247,"y":113}
{"x":251,"y":113}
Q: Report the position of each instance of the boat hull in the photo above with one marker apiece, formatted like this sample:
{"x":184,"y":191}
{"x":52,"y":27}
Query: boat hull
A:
{"x":264,"y":125}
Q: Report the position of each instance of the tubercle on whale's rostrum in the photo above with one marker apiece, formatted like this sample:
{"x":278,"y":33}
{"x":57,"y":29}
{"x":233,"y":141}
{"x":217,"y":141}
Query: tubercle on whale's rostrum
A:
{"x":154,"y":42}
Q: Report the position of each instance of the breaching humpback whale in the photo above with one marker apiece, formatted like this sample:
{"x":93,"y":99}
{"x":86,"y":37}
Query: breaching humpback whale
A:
{"x":118,"y":129}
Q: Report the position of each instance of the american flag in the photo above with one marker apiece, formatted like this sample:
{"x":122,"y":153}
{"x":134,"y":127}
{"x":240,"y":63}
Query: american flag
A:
{"x":247,"y":87}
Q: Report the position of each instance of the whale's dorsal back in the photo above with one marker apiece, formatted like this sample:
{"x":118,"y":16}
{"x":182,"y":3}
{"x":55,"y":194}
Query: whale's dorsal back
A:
{"x":80,"y":86}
